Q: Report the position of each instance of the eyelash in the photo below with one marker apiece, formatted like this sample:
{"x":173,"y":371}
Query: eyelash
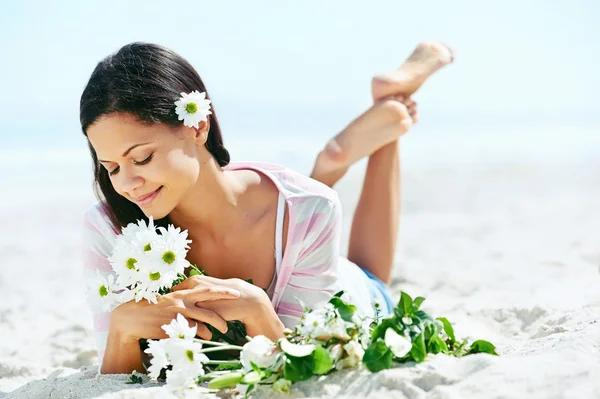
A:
{"x":144,"y":162}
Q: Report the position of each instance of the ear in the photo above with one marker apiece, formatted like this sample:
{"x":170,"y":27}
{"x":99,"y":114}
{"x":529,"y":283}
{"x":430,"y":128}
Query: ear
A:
{"x":202,"y":131}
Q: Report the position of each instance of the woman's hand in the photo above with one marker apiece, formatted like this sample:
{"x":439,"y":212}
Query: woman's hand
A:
{"x":136,"y":320}
{"x":253,"y":308}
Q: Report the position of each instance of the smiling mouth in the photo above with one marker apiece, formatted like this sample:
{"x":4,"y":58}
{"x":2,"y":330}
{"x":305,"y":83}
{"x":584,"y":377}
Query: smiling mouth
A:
{"x":145,"y":199}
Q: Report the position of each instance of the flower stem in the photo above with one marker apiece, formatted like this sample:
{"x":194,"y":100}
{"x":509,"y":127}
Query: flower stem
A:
{"x":205,"y":342}
{"x":221,"y":348}
{"x":222,"y":362}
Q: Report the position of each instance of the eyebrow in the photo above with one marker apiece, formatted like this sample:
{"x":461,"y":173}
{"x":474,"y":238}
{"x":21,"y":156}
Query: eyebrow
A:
{"x":129,"y":150}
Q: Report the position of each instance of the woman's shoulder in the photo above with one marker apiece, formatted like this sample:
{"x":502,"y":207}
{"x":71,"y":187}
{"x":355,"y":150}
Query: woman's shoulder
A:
{"x":292,"y":184}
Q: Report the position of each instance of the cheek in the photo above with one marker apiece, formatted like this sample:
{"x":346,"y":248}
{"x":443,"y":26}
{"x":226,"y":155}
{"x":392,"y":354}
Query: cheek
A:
{"x":183,"y":170}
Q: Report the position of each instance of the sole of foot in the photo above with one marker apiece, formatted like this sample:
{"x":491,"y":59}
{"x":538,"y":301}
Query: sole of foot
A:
{"x":382,"y":124}
{"x":425,"y":60}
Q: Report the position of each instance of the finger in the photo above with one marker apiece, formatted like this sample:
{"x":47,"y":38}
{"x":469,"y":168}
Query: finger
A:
{"x":211,"y":293}
{"x":203,"y":332}
{"x":207,"y":316}
{"x":188,"y":283}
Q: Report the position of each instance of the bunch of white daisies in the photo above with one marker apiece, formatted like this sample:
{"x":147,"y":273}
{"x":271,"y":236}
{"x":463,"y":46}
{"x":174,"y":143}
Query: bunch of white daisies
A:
{"x":146,"y":261}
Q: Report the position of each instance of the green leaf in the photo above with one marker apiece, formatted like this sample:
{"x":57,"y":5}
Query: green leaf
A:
{"x":378,"y":356}
{"x":423,"y":317}
{"x":419,"y":351}
{"x":405,"y":305}
{"x":346,"y":310}
{"x":231,"y":366}
{"x":228,"y":380}
{"x":339,"y":294}
{"x":417,"y":303}
{"x":379,"y":330}
{"x":481,"y":346}
{"x":437,"y":345}
{"x":135,"y":379}
{"x":448,"y":329}
{"x":195,"y":271}
{"x":322,"y":360}
{"x":298,"y":368}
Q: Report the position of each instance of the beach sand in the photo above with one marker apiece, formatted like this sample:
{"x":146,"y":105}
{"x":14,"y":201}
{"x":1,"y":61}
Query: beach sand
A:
{"x":508,"y":253}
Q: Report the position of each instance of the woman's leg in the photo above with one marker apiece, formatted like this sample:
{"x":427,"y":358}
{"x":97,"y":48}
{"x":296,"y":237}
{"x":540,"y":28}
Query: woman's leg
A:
{"x":376,"y":220}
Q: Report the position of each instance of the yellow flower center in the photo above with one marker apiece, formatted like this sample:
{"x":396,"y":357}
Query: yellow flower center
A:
{"x":191,"y":108}
{"x":190,"y":355}
{"x":168,"y":257}
{"x":103,"y":291}
{"x":154,"y":276}
{"x":147,"y":247}
{"x":131,"y":263}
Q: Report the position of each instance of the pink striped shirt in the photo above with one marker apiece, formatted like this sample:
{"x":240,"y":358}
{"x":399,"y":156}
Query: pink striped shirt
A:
{"x":308,"y":268}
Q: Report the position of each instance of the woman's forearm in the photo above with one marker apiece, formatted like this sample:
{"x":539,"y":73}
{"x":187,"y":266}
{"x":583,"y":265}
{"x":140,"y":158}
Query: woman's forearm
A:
{"x":122,"y":356}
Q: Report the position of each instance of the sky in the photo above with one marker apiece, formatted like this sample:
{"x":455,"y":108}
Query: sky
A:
{"x":297,"y":68}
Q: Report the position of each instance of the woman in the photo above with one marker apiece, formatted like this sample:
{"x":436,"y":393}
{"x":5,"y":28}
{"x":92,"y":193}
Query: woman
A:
{"x":246,"y":220}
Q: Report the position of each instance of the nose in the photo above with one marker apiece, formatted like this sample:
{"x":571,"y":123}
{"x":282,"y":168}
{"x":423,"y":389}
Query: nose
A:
{"x":127,"y":182}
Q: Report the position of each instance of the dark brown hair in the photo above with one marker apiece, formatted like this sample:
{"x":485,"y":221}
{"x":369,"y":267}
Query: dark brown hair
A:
{"x":144,"y":80}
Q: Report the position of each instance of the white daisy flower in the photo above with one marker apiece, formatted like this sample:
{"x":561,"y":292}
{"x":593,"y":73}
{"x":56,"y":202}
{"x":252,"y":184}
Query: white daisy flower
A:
{"x":144,"y":240}
{"x":179,"y":328}
{"x":129,"y":231}
{"x":183,"y":378}
{"x":159,"y":358}
{"x":176,"y":236}
{"x":192,"y":108}
{"x":168,"y":256}
{"x":185,"y":354}
{"x":154,"y":279}
{"x":140,"y":291}
{"x":126,"y":263}
{"x":101,"y":294}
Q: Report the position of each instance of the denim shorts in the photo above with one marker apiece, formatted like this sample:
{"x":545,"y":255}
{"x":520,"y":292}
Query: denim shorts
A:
{"x":380,"y":292}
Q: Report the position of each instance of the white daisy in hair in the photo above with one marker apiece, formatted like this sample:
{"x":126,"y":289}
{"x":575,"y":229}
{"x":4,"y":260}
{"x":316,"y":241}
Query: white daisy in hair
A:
{"x":192,"y":108}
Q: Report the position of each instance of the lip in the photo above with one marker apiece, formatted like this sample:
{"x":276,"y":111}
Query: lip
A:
{"x":147,"y":198}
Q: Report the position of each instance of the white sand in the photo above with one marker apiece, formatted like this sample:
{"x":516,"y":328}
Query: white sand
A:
{"x":510,"y":254}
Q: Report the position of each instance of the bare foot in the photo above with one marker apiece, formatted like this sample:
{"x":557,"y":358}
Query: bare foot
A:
{"x":425,"y":60}
{"x":381,"y":124}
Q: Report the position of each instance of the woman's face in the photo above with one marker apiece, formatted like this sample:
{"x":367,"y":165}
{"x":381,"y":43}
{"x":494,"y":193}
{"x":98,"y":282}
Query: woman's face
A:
{"x":153,"y":166}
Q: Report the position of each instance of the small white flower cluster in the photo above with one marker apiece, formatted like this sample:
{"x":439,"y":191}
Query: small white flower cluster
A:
{"x":322,"y":324}
{"x":180,"y":351}
{"x":144,"y":262}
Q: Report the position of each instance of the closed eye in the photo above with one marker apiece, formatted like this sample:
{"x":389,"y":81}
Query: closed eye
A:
{"x":144,"y":162}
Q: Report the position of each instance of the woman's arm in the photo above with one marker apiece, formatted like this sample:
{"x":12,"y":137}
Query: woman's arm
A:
{"x":122,"y":355}
{"x":253,"y":308}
